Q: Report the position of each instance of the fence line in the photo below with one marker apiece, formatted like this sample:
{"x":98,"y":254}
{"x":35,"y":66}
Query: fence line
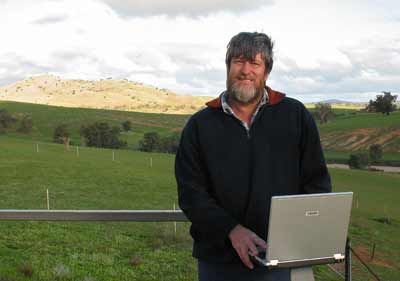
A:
{"x":123,"y":215}
{"x":93,"y":215}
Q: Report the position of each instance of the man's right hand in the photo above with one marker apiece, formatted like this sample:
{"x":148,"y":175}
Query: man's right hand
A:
{"x":244,"y":241}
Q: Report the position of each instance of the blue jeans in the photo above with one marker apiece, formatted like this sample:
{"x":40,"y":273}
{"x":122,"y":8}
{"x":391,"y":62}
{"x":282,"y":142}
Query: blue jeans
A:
{"x":238,"y":272}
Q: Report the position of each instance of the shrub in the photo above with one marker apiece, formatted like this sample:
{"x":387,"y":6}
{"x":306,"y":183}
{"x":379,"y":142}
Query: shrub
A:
{"x":61,"y":134}
{"x":26,"y":124}
{"x":151,"y":142}
{"x":101,"y":134}
{"x":359,"y":161}
{"x":6,"y":120}
{"x":170,"y":143}
{"x":127,"y":125}
{"x":323,"y":112}
{"x":375,"y":153}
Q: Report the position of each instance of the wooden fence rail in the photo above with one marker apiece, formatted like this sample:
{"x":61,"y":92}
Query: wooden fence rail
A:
{"x":92,"y":215}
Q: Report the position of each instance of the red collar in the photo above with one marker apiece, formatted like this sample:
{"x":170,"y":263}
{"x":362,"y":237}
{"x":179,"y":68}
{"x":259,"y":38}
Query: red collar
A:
{"x":274,"y":97}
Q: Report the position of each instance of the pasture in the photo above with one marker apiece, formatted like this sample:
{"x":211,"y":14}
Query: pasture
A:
{"x":145,"y":251}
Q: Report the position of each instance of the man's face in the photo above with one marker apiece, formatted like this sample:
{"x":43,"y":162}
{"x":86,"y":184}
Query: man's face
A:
{"x":246,"y":79}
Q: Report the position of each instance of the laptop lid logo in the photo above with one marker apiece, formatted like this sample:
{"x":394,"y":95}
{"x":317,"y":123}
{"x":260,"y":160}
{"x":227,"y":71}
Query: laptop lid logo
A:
{"x":312,"y":213}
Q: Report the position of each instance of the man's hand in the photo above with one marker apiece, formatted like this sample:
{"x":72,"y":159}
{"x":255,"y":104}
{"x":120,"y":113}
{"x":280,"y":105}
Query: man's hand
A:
{"x":245,"y":241}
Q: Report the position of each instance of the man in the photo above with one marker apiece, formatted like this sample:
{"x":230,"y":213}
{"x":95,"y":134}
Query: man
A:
{"x":247,"y":145}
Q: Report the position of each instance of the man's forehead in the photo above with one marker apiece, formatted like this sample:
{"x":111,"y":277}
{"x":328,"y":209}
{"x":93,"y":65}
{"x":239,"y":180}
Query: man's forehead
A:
{"x":252,"y":57}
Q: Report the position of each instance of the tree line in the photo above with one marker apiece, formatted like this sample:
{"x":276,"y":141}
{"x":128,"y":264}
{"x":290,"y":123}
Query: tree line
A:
{"x":97,"y":134}
{"x":384,"y":103}
{"x":103,"y":135}
{"x":8,"y":121}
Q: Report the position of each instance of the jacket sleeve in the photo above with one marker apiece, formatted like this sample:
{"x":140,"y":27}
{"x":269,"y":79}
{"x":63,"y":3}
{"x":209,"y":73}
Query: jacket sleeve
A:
{"x":194,"y":190}
{"x":314,"y":172}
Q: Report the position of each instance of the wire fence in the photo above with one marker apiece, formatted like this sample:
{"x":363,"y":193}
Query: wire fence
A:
{"x":142,"y":216}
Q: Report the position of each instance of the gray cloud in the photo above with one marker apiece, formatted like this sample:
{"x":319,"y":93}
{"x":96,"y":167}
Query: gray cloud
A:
{"x":19,"y":68}
{"x":51,"y":19}
{"x":382,"y":60}
{"x":70,"y":56}
{"x":370,"y":69}
{"x":139,"y":8}
{"x":191,"y":70}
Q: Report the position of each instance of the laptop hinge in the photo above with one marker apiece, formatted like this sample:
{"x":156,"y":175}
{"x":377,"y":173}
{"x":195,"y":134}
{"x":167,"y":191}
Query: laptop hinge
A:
{"x":338,"y":257}
{"x":273,"y":263}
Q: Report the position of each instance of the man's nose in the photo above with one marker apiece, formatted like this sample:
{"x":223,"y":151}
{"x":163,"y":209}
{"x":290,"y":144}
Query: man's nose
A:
{"x":246,"y":67}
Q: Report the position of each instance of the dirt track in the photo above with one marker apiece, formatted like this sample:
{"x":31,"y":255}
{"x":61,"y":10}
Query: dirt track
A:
{"x":388,"y":169}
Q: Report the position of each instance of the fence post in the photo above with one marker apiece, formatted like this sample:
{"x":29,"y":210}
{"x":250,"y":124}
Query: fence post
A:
{"x":373,"y":252}
{"x":347,"y":261}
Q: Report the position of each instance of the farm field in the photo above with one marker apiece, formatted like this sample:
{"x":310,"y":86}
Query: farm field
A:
{"x":351,"y":119}
{"x":343,"y":157}
{"x":46,"y":118}
{"x":351,"y":130}
{"x":146,"y":251}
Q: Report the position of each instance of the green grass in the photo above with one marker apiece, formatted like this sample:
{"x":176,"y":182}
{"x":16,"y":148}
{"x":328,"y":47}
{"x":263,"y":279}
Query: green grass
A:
{"x":46,"y":118}
{"x":142,"y":251}
{"x":348,"y":120}
{"x":376,"y":196}
{"x":343,"y":156}
{"x":103,"y":251}
{"x":126,"y":251}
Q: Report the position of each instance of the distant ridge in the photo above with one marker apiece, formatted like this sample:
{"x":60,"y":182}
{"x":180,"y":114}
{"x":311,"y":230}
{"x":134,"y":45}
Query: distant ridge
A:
{"x":102,"y":94}
{"x":336,"y":101}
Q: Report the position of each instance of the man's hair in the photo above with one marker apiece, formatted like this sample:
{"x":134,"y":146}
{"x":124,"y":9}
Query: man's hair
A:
{"x":248,"y":45}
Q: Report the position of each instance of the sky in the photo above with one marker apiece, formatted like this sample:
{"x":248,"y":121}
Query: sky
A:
{"x":342,"y":49}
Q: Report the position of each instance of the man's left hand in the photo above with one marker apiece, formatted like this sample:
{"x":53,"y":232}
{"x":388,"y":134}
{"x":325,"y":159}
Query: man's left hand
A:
{"x":244,"y":241}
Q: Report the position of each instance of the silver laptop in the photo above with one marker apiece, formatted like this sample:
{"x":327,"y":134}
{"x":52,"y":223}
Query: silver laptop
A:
{"x":307,"y":229}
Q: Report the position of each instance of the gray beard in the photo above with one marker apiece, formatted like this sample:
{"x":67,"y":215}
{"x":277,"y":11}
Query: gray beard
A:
{"x":243,"y":93}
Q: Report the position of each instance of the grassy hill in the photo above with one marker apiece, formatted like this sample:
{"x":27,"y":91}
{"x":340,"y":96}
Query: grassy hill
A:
{"x":104,"y":93}
{"x":350,"y":131}
{"x":145,"y":251}
{"x":46,"y":118}
{"x":356,"y":131}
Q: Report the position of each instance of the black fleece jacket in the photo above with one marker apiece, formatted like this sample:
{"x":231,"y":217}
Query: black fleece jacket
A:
{"x":226,"y":177}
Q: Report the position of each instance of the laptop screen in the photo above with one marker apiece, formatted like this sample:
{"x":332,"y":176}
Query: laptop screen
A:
{"x":308,"y":227}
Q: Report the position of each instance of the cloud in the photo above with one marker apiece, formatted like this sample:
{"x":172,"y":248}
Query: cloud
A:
{"x":51,"y":19}
{"x":139,"y":8}
{"x":317,"y":56}
{"x":382,"y":59}
{"x":370,"y":68}
{"x":18,"y":68}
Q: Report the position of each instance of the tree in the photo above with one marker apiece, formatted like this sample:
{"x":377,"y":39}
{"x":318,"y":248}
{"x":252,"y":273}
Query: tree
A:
{"x":6,"y":120}
{"x":170,"y":144}
{"x":323,"y":112}
{"x":385,"y":103}
{"x":61,"y":135}
{"x":375,"y":152}
{"x":151,"y":142}
{"x":127,"y":125}
{"x":359,"y":161}
{"x":101,"y":134}
{"x":26,"y":124}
